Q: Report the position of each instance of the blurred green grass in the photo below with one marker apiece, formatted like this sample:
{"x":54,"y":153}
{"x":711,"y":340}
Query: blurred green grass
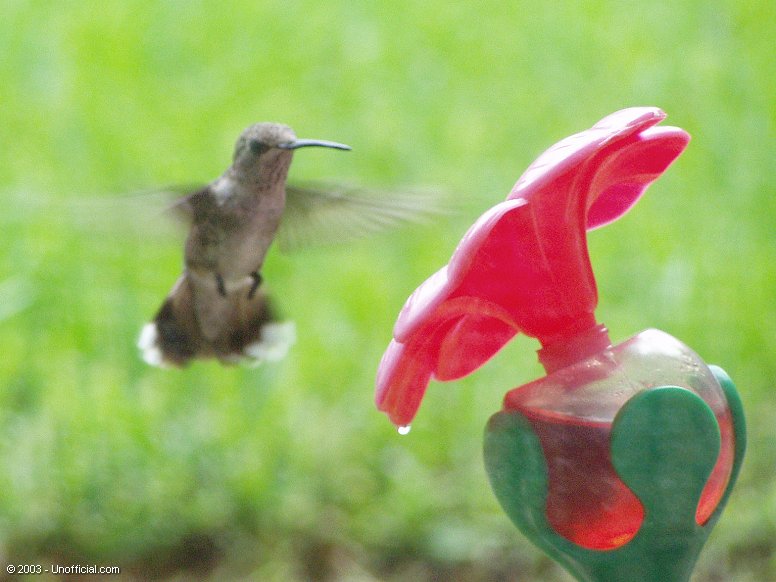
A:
{"x":287,"y":472}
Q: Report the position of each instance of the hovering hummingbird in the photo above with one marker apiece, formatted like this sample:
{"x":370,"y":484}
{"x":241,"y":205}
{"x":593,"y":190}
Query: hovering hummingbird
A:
{"x":218,"y":307}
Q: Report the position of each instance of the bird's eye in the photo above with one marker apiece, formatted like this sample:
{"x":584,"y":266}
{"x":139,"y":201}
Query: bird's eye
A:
{"x":257,"y":147}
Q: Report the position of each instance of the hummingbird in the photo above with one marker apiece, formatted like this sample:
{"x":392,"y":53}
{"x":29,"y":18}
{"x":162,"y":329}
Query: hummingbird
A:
{"x":218,"y":308}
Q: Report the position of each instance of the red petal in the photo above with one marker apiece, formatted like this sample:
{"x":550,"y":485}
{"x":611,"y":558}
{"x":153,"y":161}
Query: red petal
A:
{"x":471,"y":342}
{"x":626,"y":174}
{"x":524,"y":266}
{"x":402,"y":379}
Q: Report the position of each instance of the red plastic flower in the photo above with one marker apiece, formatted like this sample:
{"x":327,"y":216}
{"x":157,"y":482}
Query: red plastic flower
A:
{"x":524,"y":266}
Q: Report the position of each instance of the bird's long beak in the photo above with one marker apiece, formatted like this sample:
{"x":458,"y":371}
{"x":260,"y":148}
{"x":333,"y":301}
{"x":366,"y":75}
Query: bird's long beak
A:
{"x":304,"y":143}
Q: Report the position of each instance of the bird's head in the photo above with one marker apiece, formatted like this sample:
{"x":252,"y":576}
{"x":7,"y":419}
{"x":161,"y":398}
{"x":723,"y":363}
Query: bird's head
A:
{"x":264,"y":150}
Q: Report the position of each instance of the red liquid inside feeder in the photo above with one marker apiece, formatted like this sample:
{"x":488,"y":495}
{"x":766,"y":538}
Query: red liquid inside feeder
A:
{"x":587,"y":503}
{"x":572,"y":411}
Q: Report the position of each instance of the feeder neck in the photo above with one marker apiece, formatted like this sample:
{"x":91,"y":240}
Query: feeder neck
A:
{"x":565,"y":350}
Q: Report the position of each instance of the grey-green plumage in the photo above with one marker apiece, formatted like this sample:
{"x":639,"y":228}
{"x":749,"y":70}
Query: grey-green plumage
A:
{"x":218,"y":308}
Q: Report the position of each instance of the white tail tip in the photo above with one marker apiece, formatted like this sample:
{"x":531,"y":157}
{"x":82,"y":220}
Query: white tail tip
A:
{"x":276,"y":340}
{"x":148,"y":342}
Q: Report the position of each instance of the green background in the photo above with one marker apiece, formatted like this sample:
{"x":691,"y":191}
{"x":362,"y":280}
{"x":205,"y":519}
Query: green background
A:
{"x":287,"y":472}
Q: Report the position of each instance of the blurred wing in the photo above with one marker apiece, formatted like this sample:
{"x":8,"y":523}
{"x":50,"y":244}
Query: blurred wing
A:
{"x":318,"y":214}
{"x":147,"y":212}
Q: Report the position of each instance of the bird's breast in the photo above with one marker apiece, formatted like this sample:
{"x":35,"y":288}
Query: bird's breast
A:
{"x":234,"y":238}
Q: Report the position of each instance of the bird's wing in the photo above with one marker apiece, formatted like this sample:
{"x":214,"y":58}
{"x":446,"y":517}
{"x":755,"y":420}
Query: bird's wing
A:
{"x":183,"y":207}
{"x":324,"y":214}
{"x":143,"y":212}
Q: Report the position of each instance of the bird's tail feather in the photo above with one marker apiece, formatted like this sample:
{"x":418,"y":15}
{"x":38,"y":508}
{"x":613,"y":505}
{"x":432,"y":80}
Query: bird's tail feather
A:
{"x":195,"y":322}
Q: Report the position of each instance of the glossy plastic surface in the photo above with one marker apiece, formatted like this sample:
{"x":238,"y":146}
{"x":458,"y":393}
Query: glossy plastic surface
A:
{"x":620,"y":460}
{"x":654,"y":466}
{"x":572,"y":411}
{"x":524,"y":266}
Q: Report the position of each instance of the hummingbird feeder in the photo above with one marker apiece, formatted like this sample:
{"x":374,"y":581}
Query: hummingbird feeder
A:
{"x":620,"y":460}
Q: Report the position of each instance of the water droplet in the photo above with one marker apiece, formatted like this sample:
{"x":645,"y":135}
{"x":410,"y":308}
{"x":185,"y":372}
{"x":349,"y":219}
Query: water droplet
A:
{"x":404,"y":429}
